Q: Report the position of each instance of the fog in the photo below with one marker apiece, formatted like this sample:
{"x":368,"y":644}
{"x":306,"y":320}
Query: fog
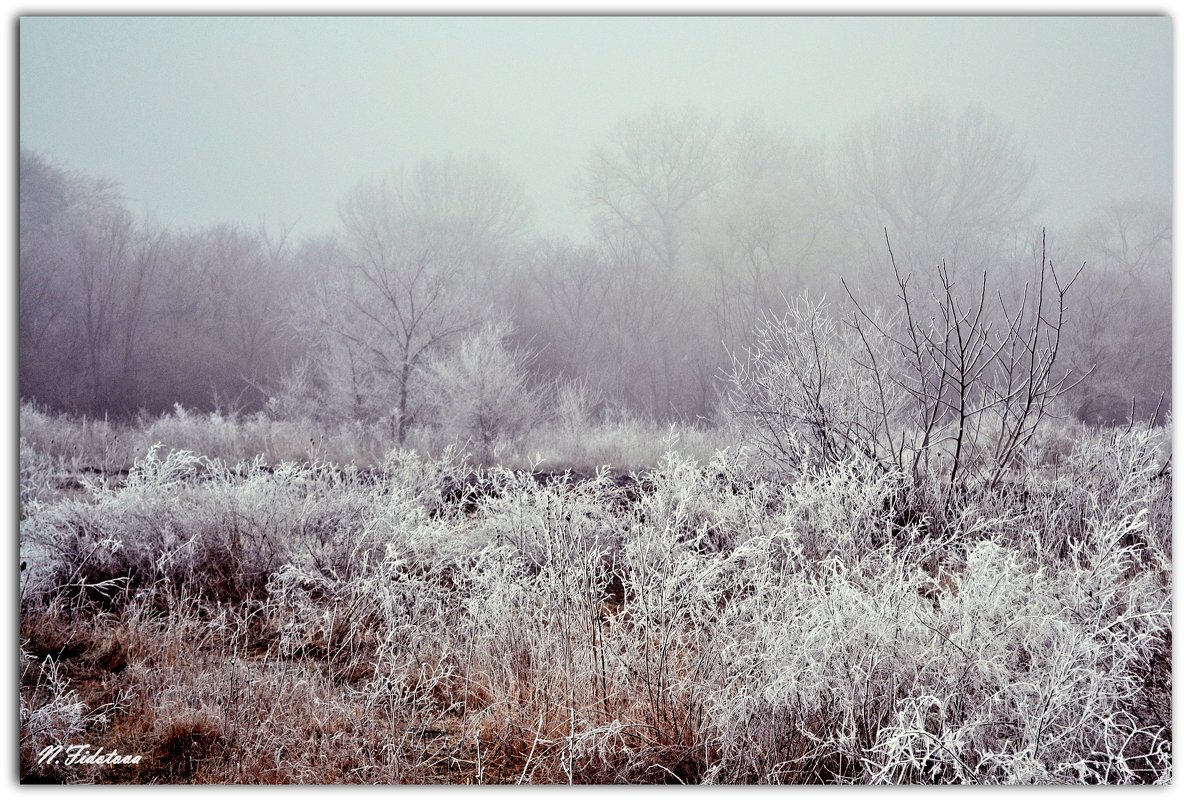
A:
{"x":400,"y":220}
{"x":205,"y":120}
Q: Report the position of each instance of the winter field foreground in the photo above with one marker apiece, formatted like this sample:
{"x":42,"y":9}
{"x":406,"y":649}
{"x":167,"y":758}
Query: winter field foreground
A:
{"x":237,"y":606}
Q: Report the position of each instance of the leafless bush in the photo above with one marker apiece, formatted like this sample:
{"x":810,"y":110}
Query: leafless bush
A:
{"x":951,"y":391}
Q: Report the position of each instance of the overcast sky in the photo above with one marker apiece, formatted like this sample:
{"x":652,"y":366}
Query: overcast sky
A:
{"x":240,"y":119}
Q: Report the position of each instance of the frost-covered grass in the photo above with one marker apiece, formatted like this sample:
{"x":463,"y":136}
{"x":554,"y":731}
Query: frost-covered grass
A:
{"x":57,"y":448}
{"x":294,"y":621}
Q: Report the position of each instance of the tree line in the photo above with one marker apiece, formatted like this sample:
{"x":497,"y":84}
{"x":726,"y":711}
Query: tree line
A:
{"x":436,"y":277}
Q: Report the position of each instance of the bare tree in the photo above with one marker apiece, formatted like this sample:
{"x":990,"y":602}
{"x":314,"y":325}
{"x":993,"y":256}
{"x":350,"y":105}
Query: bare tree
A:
{"x":138,"y":295}
{"x":100,"y":259}
{"x":647,"y":181}
{"x":771,"y":230}
{"x":420,"y":248}
{"x":247,"y":276}
{"x":648,"y":190}
{"x":88,"y":281}
{"x":44,"y":290}
{"x":952,"y":187}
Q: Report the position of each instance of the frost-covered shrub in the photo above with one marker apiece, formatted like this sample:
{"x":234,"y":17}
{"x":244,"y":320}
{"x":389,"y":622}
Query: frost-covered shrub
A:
{"x":945,"y":390}
{"x":185,"y":521}
{"x":36,"y":474}
{"x":480,"y":390}
{"x":800,"y":390}
{"x":576,"y":404}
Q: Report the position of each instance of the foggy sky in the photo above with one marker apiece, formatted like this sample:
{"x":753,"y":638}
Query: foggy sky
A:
{"x":206,"y":120}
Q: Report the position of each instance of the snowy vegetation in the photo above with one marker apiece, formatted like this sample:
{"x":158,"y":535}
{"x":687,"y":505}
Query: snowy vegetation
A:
{"x":268,"y":620}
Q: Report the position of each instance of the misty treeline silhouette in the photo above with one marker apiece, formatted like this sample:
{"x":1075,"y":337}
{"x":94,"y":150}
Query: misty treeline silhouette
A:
{"x":699,"y":229}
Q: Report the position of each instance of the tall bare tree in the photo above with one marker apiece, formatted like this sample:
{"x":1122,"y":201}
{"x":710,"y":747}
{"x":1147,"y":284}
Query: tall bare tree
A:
{"x":952,"y":187}
{"x":566,"y":304}
{"x":44,"y":218}
{"x":772,"y":232}
{"x":648,"y":190}
{"x":647,"y":180}
{"x":423,"y":250}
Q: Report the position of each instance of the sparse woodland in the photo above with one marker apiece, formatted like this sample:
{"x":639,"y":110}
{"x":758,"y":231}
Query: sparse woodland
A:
{"x":810,"y":465}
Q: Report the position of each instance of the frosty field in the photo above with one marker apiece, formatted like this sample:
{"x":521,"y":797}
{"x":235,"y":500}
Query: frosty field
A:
{"x":701,"y":622}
